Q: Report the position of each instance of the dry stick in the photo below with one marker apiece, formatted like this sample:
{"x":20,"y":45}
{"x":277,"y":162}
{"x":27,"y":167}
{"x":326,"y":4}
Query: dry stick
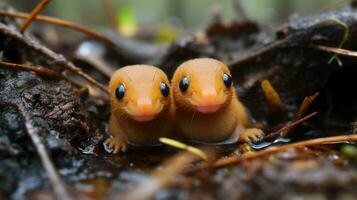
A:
{"x":290,"y":126}
{"x":43,"y":71}
{"x":34,"y":13}
{"x":177,"y":144}
{"x":235,"y":160}
{"x":63,"y":23}
{"x":78,"y":71}
{"x":339,"y":51}
{"x":109,"y":9}
{"x":60,"y":60}
{"x":57,"y":184}
{"x":304,"y":106}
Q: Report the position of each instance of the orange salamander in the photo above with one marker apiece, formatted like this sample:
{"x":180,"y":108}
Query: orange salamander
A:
{"x":141,"y":107}
{"x":207,"y":107}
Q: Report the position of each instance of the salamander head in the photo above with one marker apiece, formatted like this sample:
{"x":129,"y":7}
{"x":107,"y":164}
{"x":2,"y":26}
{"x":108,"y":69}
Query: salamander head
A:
{"x":202,"y":84}
{"x":139,"y":91}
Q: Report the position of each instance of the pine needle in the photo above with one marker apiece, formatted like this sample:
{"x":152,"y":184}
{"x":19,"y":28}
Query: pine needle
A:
{"x":180,"y":145}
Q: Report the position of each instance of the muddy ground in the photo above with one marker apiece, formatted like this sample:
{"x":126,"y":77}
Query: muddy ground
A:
{"x":71,"y":120}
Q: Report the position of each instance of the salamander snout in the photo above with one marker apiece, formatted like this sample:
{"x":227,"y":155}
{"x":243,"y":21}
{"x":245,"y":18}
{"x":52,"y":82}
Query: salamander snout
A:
{"x":144,"y":109}
{"x":209,"y":100}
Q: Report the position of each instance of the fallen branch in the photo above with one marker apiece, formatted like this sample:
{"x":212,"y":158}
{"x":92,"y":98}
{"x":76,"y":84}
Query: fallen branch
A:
{"x":272,"y":150}
{"x":42,"y":71}
{"x":177,"y":144}
{"x":55,"y":58}
{"x":63,"y":23}
{"x":339,"y":51}
{"x":34,"y":13}
{"x":304,"y":106}
{"x":57,"y":184}
{"x":281,"y":131}
{"x":71,"y":67}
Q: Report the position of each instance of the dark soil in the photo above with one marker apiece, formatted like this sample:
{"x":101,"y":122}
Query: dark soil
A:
{"x":72,"y":122}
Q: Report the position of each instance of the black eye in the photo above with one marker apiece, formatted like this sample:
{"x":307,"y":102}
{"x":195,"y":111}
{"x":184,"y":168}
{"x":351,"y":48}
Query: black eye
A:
{"x":184,"y":84}
{"x":227,"y":79}
{"x":165,"y":90}
{"x":120,"y":91}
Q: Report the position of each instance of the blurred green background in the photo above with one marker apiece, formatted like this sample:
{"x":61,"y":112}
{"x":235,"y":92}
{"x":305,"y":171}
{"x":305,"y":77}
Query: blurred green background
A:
{"x":180,"y":14}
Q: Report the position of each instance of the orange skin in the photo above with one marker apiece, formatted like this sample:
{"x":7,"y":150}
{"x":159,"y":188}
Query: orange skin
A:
{"x":143,"y":114}
{"x":208,"y":111}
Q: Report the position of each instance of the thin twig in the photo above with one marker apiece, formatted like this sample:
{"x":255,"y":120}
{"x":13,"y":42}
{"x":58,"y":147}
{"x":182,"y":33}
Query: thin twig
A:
{"x":40,"y":70}
{"x":63,"y":23}
{"x":55,"y":58}
{"x":290,"y":126}
{"x":272,"y":150}
{"x":34,"y":13}
{"x":59,"y":188}
{"x":177,"y":144}
{"x":110,"y":11}
{"x":304,"y":106}
{"x":339,"y":51}
{"x":37,"y":69}
{"x":71,"y":67}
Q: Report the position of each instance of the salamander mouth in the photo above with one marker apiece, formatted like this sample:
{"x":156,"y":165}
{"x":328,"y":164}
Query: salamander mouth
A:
{"x":144,"y":115}
{"x":208,"y":108}
{"x":143,"y":118}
